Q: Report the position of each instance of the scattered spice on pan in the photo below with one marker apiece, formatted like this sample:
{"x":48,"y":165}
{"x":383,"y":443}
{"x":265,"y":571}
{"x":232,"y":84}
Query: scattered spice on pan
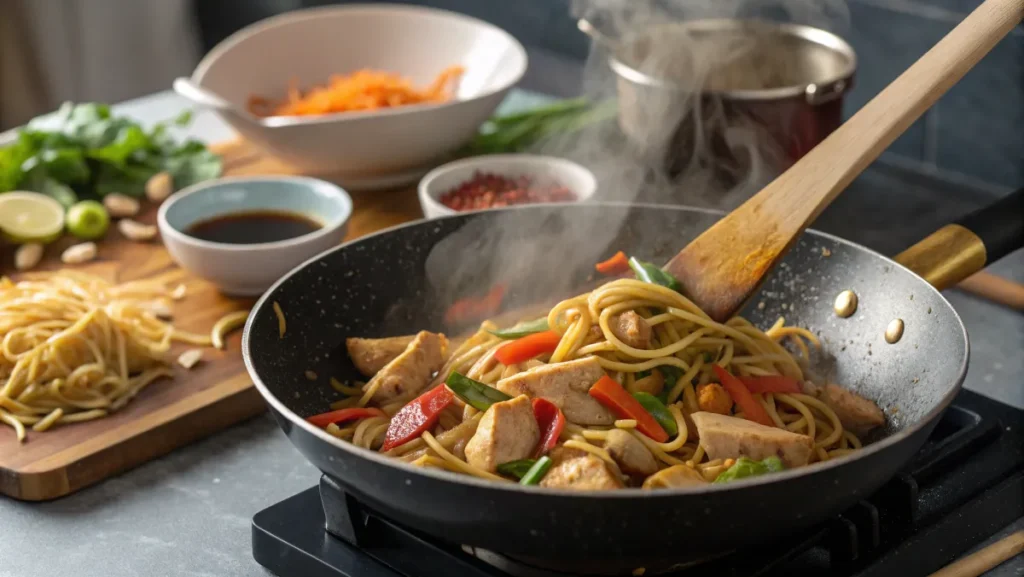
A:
{"x":487,"y":190}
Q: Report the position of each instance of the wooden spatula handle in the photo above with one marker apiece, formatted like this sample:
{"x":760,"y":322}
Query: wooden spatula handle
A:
{"x":724,"y":266}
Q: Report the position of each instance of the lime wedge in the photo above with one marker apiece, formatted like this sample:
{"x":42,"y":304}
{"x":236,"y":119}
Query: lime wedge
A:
{"x":30,"y":217}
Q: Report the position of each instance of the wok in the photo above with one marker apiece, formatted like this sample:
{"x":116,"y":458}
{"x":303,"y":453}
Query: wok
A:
{"x":401,"y":280}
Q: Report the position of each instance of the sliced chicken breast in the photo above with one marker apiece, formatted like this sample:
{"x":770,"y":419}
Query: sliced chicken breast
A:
{"x":411,"y":370}
{"x":857,"y":414}
{"x":566,"y":385}
{"x":580,"y":471}
{"x":632,"y":329}
{"x":675,"y":477}
{"x":371,"y":355}
{"x":632,"y":456}
{"x":508,"y":431}
{"x":725,"y":437}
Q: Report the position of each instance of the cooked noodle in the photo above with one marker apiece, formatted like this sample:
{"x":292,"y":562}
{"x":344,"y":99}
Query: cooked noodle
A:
{"x":683,"y":337}
{"x":75,"y":347}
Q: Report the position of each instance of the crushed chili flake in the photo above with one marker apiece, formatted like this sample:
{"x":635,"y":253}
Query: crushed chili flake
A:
{"x":486,"y":190}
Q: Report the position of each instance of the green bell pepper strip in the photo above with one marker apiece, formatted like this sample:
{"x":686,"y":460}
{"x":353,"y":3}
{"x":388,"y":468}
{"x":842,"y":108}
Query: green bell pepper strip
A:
{"x":659,"y":411}
{"x":537,"y":471}
{"x":517,"y":469}
{"x":746,"y":467}
{"x":522,"y":329}
{"x":474,"y":393}
{"x":650,"y":273}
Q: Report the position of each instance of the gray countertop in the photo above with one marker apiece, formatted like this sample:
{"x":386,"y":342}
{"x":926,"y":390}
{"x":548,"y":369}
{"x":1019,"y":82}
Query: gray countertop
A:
{"x":189,"y":512}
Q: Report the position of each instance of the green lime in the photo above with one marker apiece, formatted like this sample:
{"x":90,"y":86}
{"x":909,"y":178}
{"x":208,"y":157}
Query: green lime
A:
{"x":88,"y":220}
{"x":30,"y":217}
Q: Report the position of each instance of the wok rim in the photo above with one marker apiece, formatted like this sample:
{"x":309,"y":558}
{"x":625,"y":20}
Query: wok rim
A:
{"x":628,"y":492}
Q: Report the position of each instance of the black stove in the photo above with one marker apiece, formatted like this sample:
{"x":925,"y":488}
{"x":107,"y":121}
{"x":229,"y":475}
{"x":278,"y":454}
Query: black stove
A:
{"x":966,"y":484}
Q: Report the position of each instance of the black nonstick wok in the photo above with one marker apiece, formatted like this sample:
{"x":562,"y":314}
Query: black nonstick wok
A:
{"x":403,"y":279}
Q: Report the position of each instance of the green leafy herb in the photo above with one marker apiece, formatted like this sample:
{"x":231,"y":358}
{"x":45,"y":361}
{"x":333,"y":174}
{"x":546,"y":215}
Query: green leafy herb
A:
{"x":94,"y":154}
{"x":474,"y":393}
{"x":517,"y":469}
{"x":520,"y":131}
{"x":651,"y":273}
{"x":746,"y":467}
{"x":537,"y":471}
{"x":659,"y":411}
{"x":522,"y":329}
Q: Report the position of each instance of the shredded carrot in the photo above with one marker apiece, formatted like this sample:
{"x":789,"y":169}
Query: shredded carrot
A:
{"x":361,"y":90}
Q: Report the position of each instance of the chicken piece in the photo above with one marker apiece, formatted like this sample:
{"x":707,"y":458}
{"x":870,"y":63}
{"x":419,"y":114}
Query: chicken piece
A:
{"x":566,"y":385}
{"x":859,"y":415}
{"x":675,"y":477}
{"x":631,"y":329}
{"x":726,"y":437}
{"x":631,"y":455}
{"x":370,"y":355}
{"x":580,"y":471}
{"x":713,"y":398}
{"x":410,"y":371}
{"x":508,"y":431}
{"x":652,"y":384}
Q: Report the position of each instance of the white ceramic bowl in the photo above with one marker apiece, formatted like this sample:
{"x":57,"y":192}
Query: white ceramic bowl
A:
{"x":444,"y":178}
{"x":309,"y":46}
{"x":250,"y":269}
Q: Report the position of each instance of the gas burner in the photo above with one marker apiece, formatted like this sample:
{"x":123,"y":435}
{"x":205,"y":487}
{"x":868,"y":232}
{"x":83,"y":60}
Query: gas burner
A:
{"x":965,"y":485}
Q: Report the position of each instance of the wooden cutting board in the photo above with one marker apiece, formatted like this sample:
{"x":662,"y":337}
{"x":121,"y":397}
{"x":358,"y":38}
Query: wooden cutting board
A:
{"x":173,"y":412}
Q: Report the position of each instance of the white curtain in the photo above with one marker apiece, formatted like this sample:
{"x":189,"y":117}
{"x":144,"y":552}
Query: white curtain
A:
{"x":98,"y":50}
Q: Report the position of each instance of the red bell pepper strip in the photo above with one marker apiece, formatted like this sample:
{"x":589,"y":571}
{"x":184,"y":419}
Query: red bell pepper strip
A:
{"x":551,"y":421}
{"x":475,"y":308}
{"x":611,"y":394}
{"x":772,"y":384}
{"x":341,"y":415}
{"x":526,"y":348}
{"x":750,"y":406}
{"x":419,"y":415}
{"x":615,"y":265}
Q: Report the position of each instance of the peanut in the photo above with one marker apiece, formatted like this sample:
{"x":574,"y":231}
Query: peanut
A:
{"x":79,"y":253}
{"x":136,"y":231}
{"x":120,"y":206}
{"x":28,"y":256}
{"x":159,"y":186}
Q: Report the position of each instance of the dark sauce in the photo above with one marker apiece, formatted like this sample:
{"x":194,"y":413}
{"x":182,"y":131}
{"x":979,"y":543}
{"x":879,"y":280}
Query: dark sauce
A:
{"x":253,"y":227}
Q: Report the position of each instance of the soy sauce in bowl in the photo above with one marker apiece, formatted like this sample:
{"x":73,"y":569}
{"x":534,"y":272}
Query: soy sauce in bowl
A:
{"x":253,"y":227}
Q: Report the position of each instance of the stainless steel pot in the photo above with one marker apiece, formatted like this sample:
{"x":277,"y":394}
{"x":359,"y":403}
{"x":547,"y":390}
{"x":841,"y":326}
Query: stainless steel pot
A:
{"x":730,"y":91}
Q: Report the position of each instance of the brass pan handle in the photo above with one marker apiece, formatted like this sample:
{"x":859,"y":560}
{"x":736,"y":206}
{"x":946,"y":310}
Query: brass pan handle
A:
{"x":956,"y":251}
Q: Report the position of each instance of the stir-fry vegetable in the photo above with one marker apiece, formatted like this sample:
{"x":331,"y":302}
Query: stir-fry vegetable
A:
{"x":659,"y":411}
{"x":772,"y":384}
{"x":650,"y":273}
{"x":537,"y":471}
{"x":522,"y":329}
{"x":615,"y":265}
{"x":528,"y":347}
{"x":517,"y":469}
{"x":611,"y":394}
{"x":342,"y":415}
{"x":474,"y":393}
{"x":419,"y":415}
{"x":475,"y":308}
{"x":746,"y":467}
{"x":750,"y":406}
{"x":551,"y":422}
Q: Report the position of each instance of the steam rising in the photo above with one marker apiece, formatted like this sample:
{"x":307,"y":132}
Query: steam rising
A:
{"x":669,"y":146}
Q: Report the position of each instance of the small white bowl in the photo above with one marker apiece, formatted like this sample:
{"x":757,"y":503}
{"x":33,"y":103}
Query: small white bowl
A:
{"x":250,"y":269}
{"x":309,"y":46}
{"x":444,"y":178}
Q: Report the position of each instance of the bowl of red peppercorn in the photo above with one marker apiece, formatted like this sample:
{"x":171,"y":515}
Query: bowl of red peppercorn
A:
{"x":501,"y":180}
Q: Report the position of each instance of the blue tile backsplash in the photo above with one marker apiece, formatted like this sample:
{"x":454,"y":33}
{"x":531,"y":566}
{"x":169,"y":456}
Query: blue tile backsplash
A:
{"x":975,"y":133}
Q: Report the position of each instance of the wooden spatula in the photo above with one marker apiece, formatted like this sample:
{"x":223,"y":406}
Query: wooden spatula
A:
{"x":723,"y":267}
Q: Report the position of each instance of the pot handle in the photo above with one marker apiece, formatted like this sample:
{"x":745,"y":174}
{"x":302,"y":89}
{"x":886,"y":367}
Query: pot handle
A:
{"x":956,"y":251}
